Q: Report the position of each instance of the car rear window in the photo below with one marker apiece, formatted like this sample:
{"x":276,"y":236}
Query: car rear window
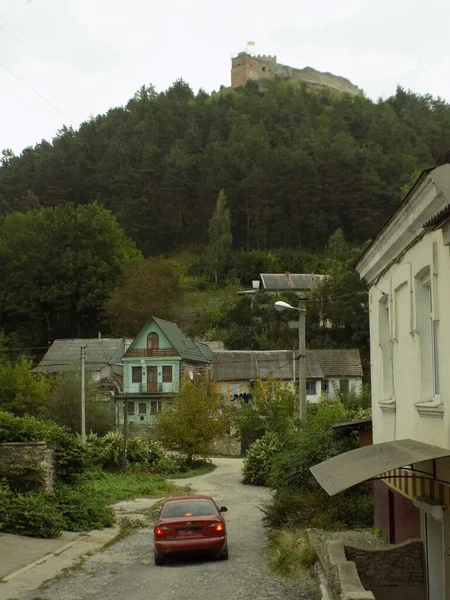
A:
{"x":197,"y":508}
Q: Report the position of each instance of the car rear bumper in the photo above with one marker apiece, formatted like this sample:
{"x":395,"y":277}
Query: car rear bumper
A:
{"x":193,"y":545}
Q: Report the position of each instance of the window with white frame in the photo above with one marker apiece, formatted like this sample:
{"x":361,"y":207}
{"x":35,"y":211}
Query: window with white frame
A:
{"x":427,"y":328}
{"x":435,"y":336}
{"x":310,"y":387}
{"x":384,"y":340}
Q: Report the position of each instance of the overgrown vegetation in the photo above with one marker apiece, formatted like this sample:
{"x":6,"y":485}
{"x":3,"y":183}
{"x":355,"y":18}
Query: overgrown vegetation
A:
{"x":143,"y":455}
{"x":64,"y":407}
{"x":282,"y":456}
{"x":82,"y":498}
{"x":290,"y":552}
{"x":70,"y":456}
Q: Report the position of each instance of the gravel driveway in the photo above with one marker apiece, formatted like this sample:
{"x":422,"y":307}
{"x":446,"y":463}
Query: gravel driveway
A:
{"x":126,"y":570}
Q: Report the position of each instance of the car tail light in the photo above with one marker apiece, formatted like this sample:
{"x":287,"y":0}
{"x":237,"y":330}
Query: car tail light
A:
{"x":161,"y":531}
{"x":216,"y":527}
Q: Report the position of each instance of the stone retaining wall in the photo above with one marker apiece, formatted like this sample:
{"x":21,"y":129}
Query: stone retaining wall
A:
{"x":30,"y":462}
{"x":227,"y":444}
{"x":400,"y":564}
{"x":341,"y":576}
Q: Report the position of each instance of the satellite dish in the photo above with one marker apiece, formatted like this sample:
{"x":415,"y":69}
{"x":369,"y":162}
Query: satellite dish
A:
{"x":191,"y":375}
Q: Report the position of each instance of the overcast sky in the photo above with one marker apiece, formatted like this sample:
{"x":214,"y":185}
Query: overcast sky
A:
{"x":85,"y":56}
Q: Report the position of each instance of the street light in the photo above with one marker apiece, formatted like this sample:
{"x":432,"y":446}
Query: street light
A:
{"x":280,"y":306}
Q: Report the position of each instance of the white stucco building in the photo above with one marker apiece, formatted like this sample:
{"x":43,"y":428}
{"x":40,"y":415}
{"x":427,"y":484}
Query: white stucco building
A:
{"x":407,"y":267}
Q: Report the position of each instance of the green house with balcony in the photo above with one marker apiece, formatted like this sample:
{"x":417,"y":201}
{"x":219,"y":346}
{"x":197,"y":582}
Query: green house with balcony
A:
{"x":160,"y":358}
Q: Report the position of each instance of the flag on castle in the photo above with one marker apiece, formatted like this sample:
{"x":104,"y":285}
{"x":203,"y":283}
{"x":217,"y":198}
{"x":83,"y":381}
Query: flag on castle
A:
{"x":251,"y":44}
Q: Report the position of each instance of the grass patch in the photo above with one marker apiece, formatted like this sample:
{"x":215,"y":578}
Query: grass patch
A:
{"x":199,"y":468}
{"x":113,"y":487}
{"x":66,"y":572}
{"x":290,"y":553}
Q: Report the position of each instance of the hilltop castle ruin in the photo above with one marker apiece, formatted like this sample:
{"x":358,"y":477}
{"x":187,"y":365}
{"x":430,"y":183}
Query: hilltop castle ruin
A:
{"x":262,"y":67}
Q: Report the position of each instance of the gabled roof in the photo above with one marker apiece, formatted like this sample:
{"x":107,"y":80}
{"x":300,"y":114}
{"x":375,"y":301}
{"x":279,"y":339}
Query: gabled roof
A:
{"x":339,"y":362}
{"x":188,"y":349}
{"x":238,"y":365}
{"x":100,"y":352}
{"x":243,"y":365}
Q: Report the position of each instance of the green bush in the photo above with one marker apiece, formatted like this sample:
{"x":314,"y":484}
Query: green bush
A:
{"x":33,"y":514}
{"x":105,"y":451}
{"x":70,"y":456}
{"x":82,"y":511}
{"x":142,"y":455}
{"x":258,"y":462}
{"x":312,"y":507}
{"x":312,"y":443}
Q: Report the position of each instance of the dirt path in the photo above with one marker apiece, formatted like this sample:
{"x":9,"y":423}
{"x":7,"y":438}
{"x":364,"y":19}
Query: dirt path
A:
{"x":126,"y":570}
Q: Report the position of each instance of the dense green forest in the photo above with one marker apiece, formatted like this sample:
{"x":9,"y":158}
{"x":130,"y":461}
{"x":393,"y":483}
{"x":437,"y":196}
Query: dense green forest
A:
{"x":169,"y":205}
{"x":295,"y":164}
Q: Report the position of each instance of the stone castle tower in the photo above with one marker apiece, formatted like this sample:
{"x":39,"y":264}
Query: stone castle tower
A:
{"x":262,"y":67}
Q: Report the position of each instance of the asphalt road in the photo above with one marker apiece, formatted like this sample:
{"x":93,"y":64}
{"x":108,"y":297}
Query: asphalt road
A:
{"x":126,"y":571}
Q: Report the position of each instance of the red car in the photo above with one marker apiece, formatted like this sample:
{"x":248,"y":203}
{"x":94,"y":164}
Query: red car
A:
{"x":190,"y":524}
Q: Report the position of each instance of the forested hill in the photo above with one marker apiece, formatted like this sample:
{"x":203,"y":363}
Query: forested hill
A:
{"x":295,"y":164}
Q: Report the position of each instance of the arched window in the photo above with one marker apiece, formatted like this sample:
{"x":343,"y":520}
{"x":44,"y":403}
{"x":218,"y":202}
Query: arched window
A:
{"x":152,"y":341}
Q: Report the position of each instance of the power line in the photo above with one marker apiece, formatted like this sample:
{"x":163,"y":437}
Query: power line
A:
{"x":38,"y":94}
{"x":29,"y":348}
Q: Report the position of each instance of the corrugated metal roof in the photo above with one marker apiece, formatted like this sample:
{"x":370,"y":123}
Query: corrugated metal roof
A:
{"x":313,"y":367}
{"x":231,"y":365}
{"x":289,"y":281}
{"x":100,"y":352}
{"x":186,"y":348}
{"x":242,"y":365}
{"x":346,"y":470}
{"x":340,"y":362}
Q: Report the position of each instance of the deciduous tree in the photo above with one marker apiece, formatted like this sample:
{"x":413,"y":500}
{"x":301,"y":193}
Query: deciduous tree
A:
{"x":21,"y":391}
{"x":58,"y":265}
{"x":145,"y":289}
{"x":191,"y":421}
{"x":64,"y":404}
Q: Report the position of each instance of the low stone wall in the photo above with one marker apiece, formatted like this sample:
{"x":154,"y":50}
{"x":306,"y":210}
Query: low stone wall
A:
{"x":30,"y":462}
{"x":227,"y":444}
{"x":341,"y":575}
{"x":398,"y":564}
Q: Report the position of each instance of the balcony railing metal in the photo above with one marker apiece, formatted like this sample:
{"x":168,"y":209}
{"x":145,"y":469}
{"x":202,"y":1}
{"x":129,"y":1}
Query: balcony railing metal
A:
{"x":149,"y":352}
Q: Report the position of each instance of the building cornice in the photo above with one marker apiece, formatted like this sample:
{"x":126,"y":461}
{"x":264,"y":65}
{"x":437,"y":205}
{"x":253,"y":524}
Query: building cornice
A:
{"x":404,"y":229}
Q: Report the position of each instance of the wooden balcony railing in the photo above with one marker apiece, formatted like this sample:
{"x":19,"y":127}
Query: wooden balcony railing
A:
{"x":150,"y":352}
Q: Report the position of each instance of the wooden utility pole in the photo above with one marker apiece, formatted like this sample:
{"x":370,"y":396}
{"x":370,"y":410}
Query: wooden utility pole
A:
{"x":83,"y":395}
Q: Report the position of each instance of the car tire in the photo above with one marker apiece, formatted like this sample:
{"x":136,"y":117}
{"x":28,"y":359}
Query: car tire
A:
{"x":223,"y":554}
{"x":159,"y":560}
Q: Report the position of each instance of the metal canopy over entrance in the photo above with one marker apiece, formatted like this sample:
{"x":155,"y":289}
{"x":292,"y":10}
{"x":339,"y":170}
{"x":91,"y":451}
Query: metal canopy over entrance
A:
{"x":346,"y":470}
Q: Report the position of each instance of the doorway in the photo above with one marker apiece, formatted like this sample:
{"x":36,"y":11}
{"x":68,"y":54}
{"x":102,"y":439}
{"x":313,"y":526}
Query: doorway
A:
{"x":391,"y":512}
{"x":152,"y":379}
